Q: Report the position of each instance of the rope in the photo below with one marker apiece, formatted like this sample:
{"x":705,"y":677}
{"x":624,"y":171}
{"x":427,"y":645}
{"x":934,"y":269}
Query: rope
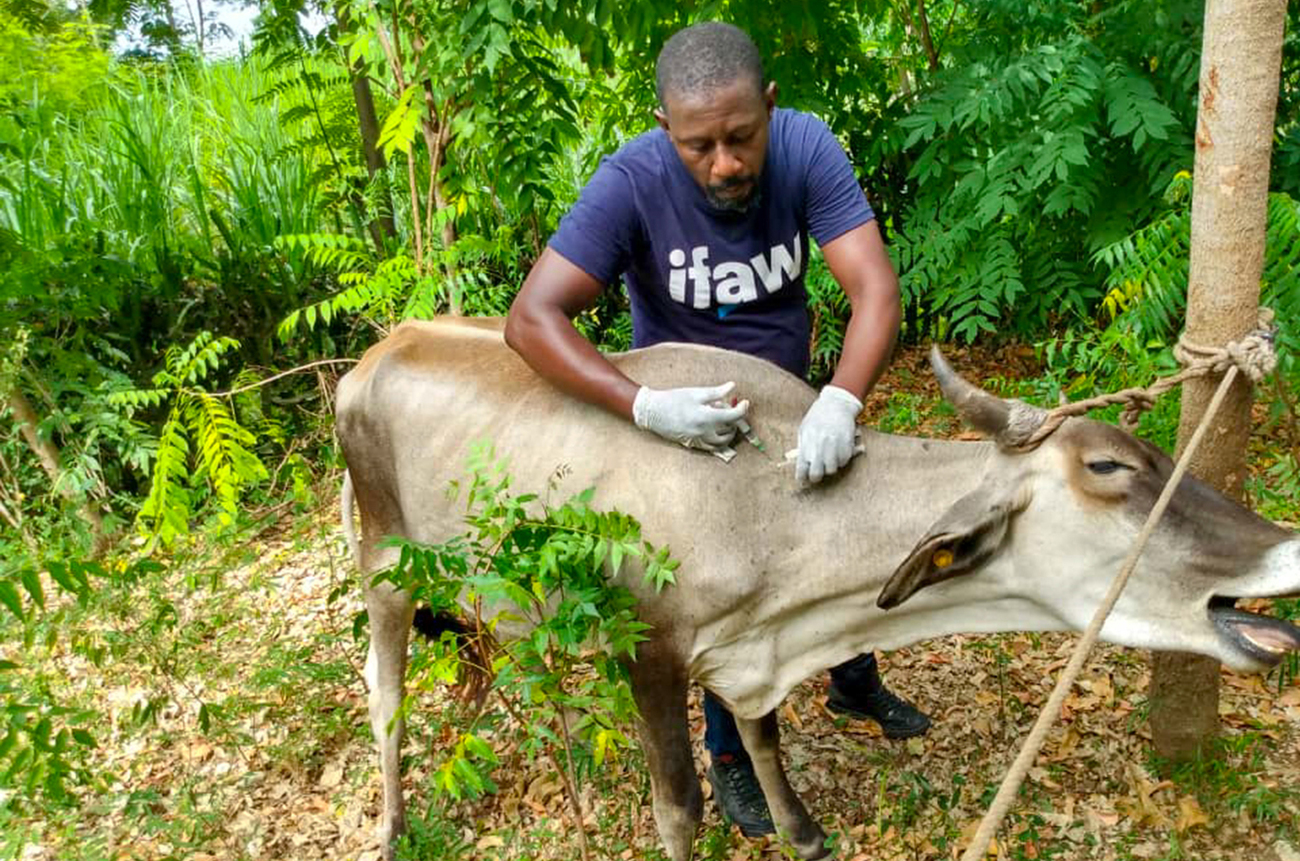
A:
{"x":1254,"y":356}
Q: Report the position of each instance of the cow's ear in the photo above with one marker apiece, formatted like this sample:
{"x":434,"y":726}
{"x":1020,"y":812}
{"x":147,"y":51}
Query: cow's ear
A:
{"x":960,"y":542}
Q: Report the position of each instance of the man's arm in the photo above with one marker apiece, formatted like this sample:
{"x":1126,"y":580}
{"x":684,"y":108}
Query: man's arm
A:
{"x":540,"y":329}
{"x":859,"y":263}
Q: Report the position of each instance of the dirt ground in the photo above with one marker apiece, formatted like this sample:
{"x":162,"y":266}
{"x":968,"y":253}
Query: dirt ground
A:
{"x":291,"y":773}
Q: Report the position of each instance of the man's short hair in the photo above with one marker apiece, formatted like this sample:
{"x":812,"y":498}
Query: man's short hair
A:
{"x":705,"y":57}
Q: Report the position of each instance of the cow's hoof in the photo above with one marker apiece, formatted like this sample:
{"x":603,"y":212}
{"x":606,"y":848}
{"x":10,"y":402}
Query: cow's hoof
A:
{"x":812,"y":844}
{"x":813,"y":853}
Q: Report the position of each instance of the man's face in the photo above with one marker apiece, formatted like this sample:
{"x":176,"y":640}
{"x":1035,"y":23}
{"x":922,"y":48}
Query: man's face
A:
{"x":721,"y":137}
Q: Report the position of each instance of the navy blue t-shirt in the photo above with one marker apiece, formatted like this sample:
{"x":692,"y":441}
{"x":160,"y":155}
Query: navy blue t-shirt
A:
{"x":702,"y":275}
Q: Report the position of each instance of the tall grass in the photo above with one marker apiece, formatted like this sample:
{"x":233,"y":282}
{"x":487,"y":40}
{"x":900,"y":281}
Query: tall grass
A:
{"x":147,"y":194}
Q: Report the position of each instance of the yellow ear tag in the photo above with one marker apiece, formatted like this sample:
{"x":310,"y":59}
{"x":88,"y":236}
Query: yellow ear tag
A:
{"x":942,"y":558}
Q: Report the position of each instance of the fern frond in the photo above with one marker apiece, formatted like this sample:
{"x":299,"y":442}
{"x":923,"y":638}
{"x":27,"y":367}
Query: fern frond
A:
{"x":166,"y":509}
{"x":224,"y":456}
{"x":136,"y":399}
{"x":331,"y":251}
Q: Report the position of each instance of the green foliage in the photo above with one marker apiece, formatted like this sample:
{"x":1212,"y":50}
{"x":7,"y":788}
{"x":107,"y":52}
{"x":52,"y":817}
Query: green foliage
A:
{"x":43,"y":744}
{"x":127,"y":221}
{"x":1232,"y":778}
{"x":201,"y":445}
{"x":386,"y":292}
{"x":829,"y":308}
{"x":1275,"y":494}
{"x":1149,"y":271}
{"x":153,"y":209}
{"x":1086,"y":362}
{"x":548,"y":568}
{"x":433,"y":835}
{"x":1028,"y":151}
{"x":314,"y":101}
{"x":64,"y":64}
{"x":38,"y":744}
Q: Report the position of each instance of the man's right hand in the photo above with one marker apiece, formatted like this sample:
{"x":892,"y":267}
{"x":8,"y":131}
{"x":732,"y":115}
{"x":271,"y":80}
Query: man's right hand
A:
{"x":689,"y":415}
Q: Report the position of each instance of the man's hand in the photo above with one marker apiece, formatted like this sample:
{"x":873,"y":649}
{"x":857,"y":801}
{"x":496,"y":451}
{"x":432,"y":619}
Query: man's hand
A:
{"x":826,"y":434}
{"x":688,"y":416}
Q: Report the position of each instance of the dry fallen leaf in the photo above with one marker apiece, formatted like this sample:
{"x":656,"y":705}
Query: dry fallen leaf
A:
{"x":1190,"y":814}
{"x":968,"y":835}
{"x":1140,"y":805}
{"x":490,"y":841}
{"x":331,"y":776}
{"x":792,"y":716}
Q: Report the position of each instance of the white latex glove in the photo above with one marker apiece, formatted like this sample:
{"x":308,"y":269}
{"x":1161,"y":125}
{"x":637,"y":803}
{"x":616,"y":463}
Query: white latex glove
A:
{"x":826,"y":434}
{"x":688,"y":415}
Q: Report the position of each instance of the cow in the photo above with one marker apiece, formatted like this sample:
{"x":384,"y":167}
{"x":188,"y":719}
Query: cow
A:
{"x":918,"y":539}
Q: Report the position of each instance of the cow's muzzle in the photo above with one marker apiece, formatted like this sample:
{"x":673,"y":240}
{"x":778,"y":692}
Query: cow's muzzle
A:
{"x":1263,"y":638}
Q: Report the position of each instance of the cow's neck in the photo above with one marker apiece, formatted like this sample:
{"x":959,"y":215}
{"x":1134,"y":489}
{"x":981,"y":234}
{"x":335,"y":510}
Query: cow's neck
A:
{"x":814,"y":606}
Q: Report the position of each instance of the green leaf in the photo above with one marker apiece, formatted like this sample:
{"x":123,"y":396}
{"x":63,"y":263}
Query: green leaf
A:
{"x":399,"y":129}
{"x":9,"y":598}
{"x":32,"y":583}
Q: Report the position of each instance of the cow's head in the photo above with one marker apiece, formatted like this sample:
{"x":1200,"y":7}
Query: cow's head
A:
{"x":1079,"y":500}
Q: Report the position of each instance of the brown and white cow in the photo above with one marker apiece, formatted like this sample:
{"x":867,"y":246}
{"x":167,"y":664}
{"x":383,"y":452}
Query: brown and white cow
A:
{"x":778,"y":583}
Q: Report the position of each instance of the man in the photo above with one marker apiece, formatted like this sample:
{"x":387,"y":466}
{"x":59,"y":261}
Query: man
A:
{"x":707,"y":220}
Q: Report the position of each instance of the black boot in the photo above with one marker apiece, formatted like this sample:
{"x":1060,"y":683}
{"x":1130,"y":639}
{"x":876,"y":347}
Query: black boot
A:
{"x":897,"y":717}
{"x":739,"y":797}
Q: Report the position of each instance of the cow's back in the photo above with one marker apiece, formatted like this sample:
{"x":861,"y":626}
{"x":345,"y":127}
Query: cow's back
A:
{"x":412,"y":410}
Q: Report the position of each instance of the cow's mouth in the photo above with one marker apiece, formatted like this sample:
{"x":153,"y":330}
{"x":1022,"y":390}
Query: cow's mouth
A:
{"x":1261,"y":637}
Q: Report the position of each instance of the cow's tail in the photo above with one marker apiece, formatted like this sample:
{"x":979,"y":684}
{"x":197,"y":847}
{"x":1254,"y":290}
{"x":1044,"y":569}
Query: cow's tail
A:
{"x":349,"y":531}
{"x":476,"y":647}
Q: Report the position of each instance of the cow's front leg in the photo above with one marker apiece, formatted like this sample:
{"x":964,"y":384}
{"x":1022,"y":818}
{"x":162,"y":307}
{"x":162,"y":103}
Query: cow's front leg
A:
{"x":390,"y":614}
{"x":659,"y":687}
{"x":762,"y":740}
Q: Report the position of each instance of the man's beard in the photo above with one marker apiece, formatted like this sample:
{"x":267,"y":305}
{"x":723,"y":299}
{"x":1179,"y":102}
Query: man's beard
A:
{"x":739,"y":203}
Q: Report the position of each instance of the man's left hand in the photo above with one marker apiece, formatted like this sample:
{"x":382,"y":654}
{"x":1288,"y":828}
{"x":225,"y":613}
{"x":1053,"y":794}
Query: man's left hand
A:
{"x":826,"y":434}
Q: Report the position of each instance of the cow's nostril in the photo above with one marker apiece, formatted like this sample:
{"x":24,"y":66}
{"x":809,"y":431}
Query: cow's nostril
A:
{"x":1220,"y":602}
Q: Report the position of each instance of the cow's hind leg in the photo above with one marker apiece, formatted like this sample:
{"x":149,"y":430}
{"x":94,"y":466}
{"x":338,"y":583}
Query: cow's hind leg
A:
{"x":390,"y":612}
{"x":762,"y":740}
{"x":660,"y":691}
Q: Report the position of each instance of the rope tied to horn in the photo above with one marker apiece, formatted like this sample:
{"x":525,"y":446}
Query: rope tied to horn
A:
{"x":1254,"y":355}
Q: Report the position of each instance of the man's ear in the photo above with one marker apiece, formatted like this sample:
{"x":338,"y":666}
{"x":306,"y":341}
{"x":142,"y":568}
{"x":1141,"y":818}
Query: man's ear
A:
{"x":769,"y":97}
{"x":960,"y":542}
{"x":661,"y":117}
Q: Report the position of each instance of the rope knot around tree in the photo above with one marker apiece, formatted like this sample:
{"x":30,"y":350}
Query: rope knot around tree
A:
{"x":1254,"y":354}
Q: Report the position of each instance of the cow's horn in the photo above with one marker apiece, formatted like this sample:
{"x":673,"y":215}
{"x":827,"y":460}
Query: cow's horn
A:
{"x":1010,"y":423}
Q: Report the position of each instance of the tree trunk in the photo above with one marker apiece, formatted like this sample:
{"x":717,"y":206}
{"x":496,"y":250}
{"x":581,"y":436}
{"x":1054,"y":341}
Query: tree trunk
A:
{"x":1240,"y":67}
{"x":48,"y":454}
{"x":382,"y":228}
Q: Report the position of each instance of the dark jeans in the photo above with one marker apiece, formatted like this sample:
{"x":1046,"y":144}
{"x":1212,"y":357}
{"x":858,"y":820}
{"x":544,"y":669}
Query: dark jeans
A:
{"x":856,"y":677}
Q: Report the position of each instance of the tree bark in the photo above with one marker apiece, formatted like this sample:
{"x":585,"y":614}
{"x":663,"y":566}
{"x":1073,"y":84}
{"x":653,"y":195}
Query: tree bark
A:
{"x":1240,"y":67}
{"x":48,"y":454}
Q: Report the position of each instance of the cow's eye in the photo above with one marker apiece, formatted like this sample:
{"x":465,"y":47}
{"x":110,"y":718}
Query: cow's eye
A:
{"x":1106,"y":467}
